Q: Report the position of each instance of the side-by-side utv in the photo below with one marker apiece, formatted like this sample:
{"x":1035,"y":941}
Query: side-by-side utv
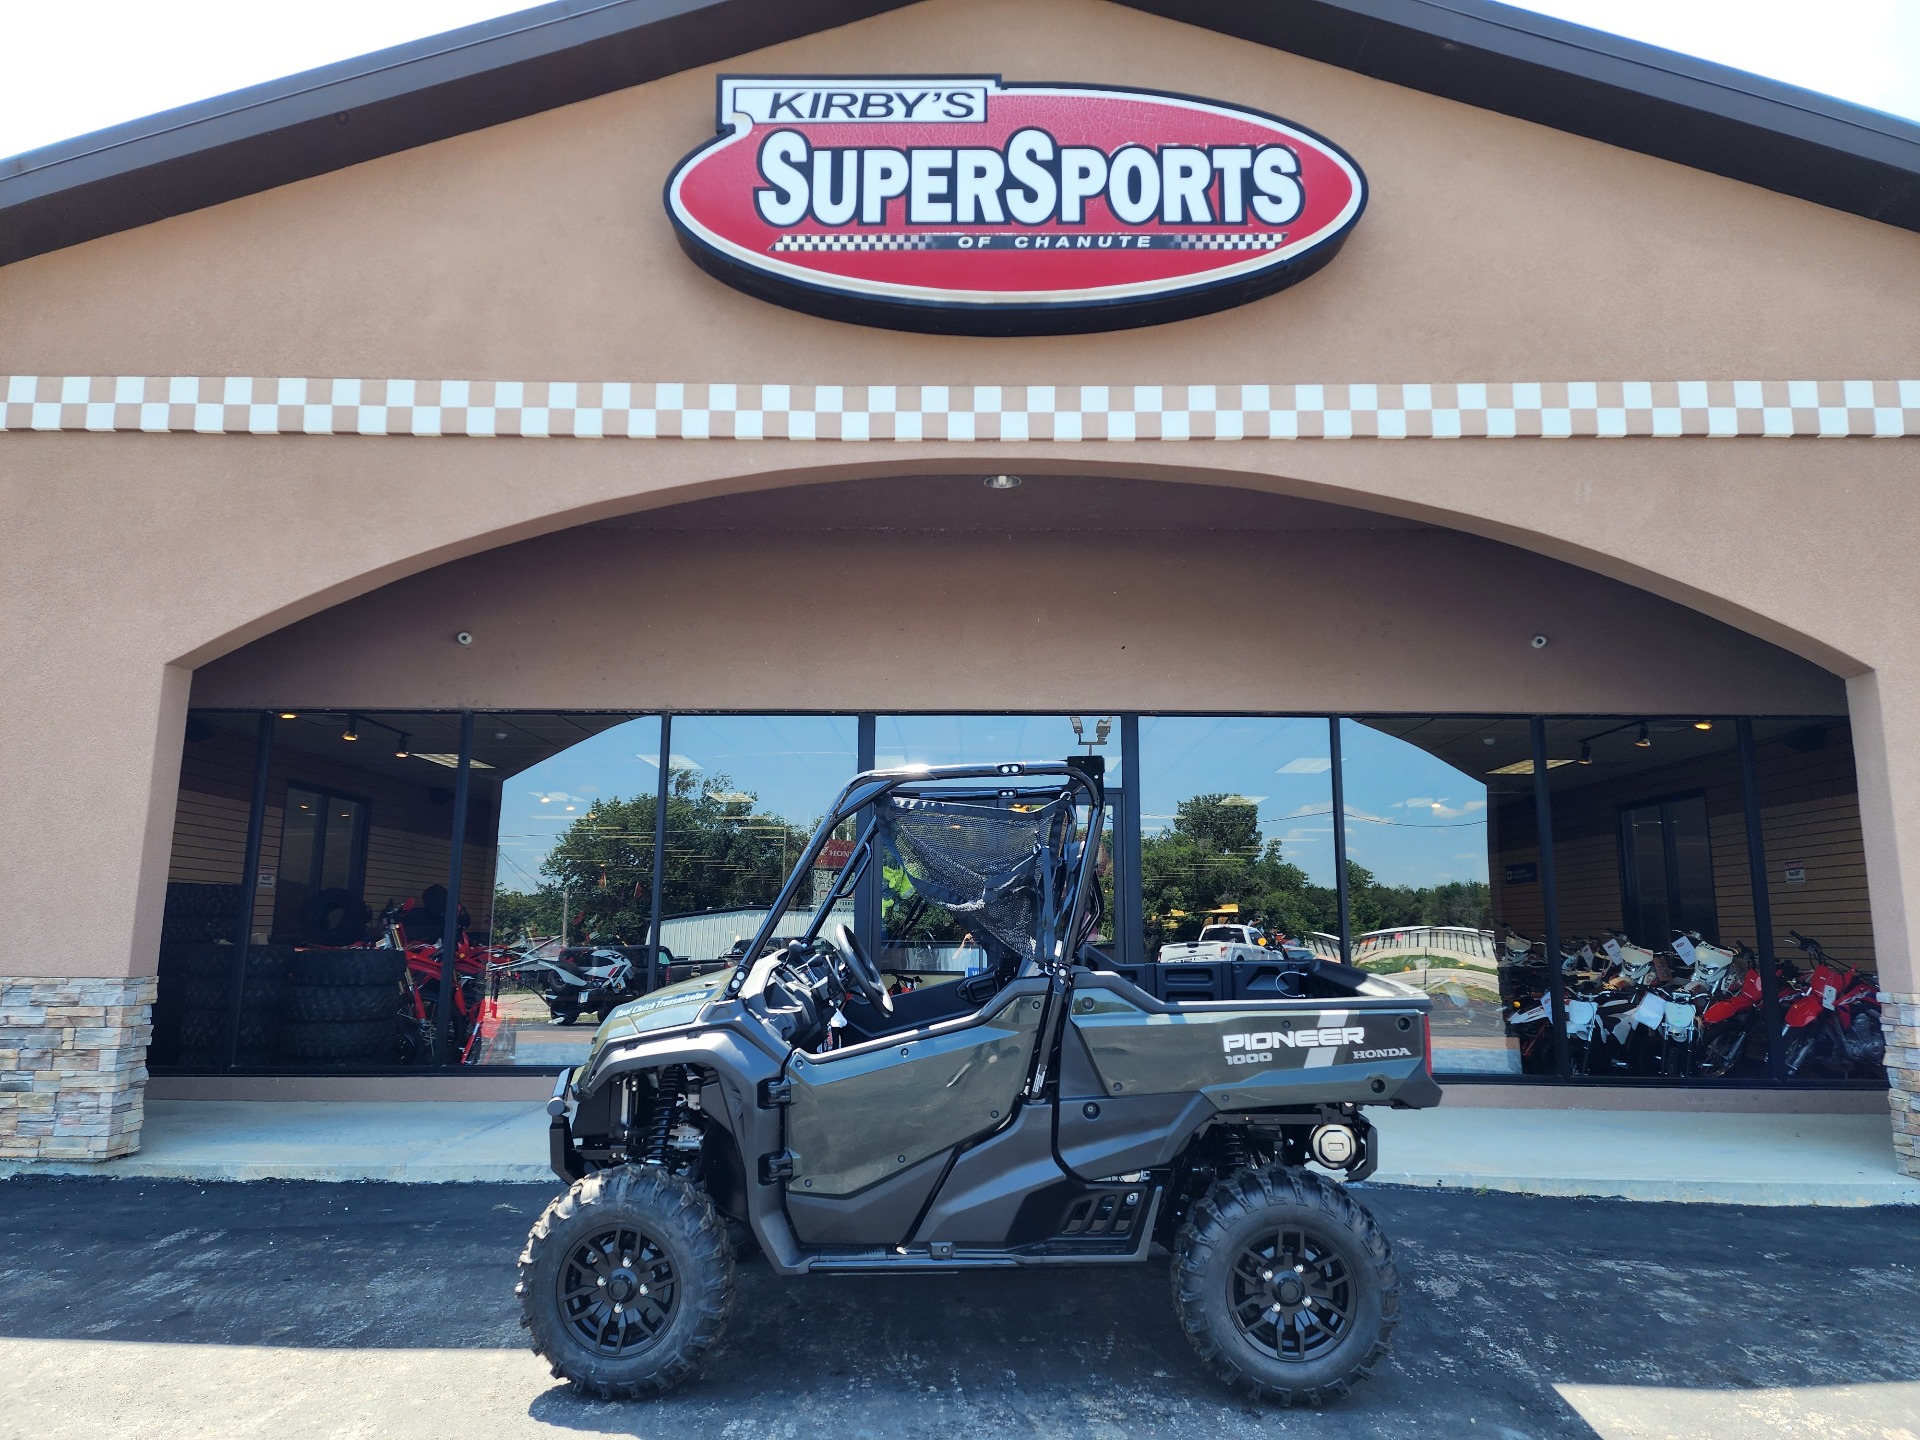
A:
{"x":1043,"y":1111}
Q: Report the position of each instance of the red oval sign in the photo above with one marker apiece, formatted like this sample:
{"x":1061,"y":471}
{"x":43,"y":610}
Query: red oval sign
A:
{"x":961,"y":205}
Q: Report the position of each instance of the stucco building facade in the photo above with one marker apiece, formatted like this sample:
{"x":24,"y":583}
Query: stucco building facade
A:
{"x":278,"y":452}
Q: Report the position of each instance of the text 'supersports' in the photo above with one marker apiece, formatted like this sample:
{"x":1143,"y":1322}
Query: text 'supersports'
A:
{"x":967,"y":205}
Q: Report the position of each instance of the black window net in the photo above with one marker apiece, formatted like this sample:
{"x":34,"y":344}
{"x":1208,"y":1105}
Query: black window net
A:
{"x":981,"y":860}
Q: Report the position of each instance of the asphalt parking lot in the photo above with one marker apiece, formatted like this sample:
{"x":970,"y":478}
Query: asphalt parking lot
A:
{"x":288,"y":1310}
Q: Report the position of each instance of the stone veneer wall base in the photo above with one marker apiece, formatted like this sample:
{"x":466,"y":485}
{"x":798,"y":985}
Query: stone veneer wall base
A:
{"x":1902,"y":1021}
{"x":73,"y":1066}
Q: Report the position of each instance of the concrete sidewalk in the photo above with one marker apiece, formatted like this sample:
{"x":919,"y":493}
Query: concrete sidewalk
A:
{"x":431,"y":1142}
{"x":1693,"y":1156}
{"x":1741,"y":1159}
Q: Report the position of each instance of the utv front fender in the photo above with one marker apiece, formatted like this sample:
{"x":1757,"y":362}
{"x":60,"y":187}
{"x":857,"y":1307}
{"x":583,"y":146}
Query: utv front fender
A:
{"x":737,"y":1097}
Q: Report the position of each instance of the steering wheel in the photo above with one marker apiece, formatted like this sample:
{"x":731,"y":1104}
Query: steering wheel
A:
{"x":865,"y":974}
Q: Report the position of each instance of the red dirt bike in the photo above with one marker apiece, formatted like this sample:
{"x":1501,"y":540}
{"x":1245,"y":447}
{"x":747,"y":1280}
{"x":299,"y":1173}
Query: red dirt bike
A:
{"x":1730,"y":1027}
{"x":1831,"y":1018}
{"x":476,"y":995}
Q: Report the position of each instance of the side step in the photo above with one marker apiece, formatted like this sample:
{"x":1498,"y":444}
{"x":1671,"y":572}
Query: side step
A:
{"x":919,"y":1259}
{"x":944,"y":1258}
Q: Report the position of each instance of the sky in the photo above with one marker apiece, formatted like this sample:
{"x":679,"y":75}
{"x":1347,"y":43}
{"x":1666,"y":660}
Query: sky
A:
{"x":81,"y":65}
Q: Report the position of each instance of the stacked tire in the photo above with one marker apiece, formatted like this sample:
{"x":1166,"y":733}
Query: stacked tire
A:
{"x":203,"y":977}
{"x":197,"y":914}
{"x":342,"y":1008}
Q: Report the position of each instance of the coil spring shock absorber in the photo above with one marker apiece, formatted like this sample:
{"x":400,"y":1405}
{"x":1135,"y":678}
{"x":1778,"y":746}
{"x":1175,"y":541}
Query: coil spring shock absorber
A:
{"x":668,"y":1102}
{"x":1233,"y":1152}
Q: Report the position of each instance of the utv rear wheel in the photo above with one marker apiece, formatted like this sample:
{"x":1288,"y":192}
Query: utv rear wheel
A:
{"x":626,"y":1283}
{"x":1285,"y":1286}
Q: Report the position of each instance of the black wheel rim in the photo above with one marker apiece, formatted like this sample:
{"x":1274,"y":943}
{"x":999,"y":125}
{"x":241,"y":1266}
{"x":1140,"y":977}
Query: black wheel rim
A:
{"x":1292,"y":1295}
{"x":617,"y":1291}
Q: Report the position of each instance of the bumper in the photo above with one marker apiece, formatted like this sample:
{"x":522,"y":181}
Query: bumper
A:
{"x":1419,"y":1091}
{"x":561,"y":1152}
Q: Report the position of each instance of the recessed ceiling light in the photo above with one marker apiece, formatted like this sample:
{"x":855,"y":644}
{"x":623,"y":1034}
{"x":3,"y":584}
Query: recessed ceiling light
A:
{"x":1002,"y":482}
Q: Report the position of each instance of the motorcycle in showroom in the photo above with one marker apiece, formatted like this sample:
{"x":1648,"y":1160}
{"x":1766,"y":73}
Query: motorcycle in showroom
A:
{"x":1831,"y":1018}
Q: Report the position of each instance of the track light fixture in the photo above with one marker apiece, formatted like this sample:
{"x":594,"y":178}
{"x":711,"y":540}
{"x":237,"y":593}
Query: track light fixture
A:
{"x":1586,"y":753}
{"x":352,"y":732}
{"x":402,"y":750}
{"x":1644,"y":739}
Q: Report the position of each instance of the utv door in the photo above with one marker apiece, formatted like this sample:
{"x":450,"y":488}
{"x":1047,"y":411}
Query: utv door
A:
{"x":869,"y":1127}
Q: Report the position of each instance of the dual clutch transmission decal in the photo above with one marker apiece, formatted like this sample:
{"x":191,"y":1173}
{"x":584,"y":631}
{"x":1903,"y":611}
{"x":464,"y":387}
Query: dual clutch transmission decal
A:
{"x":961,"y":205}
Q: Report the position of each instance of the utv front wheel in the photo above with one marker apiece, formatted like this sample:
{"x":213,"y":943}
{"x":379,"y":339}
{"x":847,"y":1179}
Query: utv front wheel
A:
{"x":1285,"y":1286}
{"x":626,"y":1282}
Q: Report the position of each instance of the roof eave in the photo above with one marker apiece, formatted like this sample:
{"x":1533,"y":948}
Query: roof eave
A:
{"x":396,"y":99}
{"x":1474,"y":51}
{"x":1604,"y":87}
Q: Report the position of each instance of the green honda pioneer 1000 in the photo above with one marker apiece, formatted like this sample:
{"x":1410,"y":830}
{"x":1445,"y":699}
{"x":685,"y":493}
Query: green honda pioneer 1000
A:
{"x":1042,"y":1111}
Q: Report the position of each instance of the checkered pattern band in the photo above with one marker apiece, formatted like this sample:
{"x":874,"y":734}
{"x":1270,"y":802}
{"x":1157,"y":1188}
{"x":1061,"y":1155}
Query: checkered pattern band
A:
{"x":244,"y":405}
{"x":996,"y":243}
{"x":1230,"y":242}
{"x":853,"y":242}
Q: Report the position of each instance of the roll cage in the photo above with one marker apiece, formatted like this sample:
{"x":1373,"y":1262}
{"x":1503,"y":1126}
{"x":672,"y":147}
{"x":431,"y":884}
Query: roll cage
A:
{"x":1082,"y":780}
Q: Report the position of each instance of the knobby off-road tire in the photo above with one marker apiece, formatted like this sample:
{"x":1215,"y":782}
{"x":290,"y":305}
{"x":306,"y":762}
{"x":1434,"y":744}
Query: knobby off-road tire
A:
{"x":627,"y":1227}
{"x":213,"y":961}
{"x":349,"y":967}
{"x":264,"y":993}
{"x":340,"y":1004}
{"x":208,"y":1030}
{"x":332,"y":1040}
{"x":1250,"y":1324}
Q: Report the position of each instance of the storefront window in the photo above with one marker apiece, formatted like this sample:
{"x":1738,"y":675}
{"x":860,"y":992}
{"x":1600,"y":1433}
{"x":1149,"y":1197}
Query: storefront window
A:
{"x":353,"y":839}
{"x":1655,"y":913}
{"x":357,"y":844}
{"x":1831,"y":1024}
{"x":747,"y":792}
{"x":923,"y":939}
{"x":560,"y":855}
{"x":1660,"y":966}
{"x":206,"y":907}
{"x":1443,"y":878}
{"x":1236,"y":822}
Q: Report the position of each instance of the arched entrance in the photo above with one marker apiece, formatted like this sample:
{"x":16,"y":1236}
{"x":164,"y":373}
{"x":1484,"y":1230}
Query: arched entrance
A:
{"x":727,"y":660}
